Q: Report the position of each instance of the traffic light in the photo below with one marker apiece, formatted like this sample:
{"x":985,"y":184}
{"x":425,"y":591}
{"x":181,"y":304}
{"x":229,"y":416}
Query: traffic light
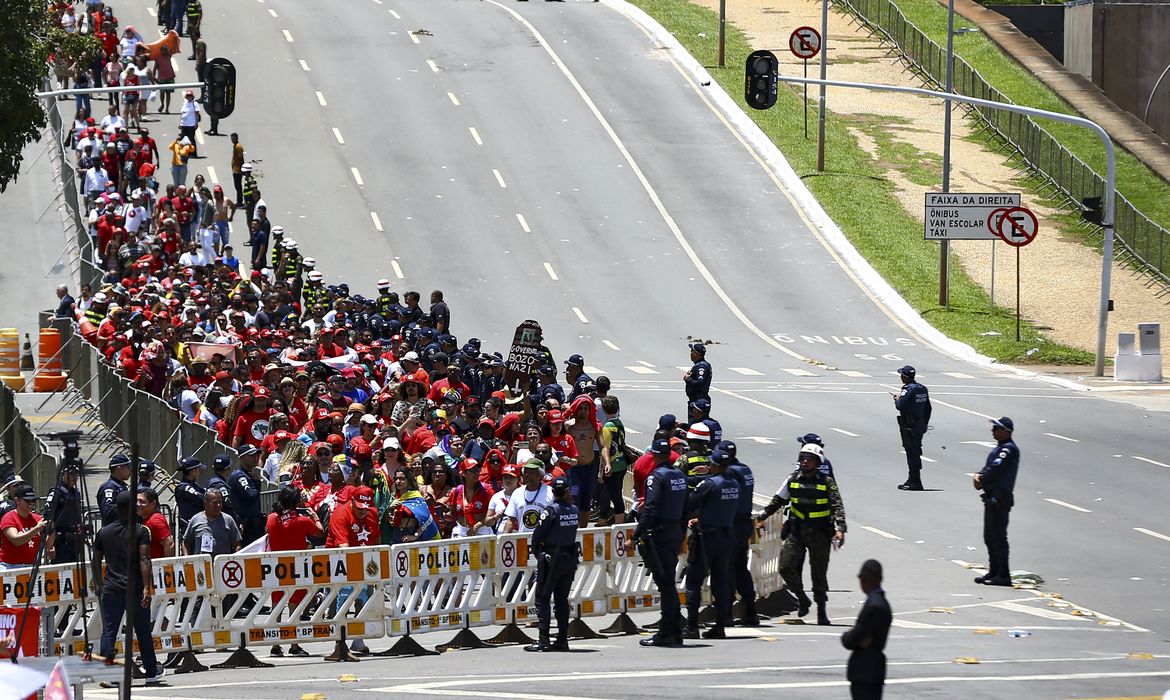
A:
{"x":219,"y":88}
{"x":1093,"y":213}
{"x":761,"y":78}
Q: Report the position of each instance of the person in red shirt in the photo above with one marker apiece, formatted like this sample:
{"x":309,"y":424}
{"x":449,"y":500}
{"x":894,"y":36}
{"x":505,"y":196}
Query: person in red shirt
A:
{"x":162,"y":542}
{"x":560,"y":441}
{"x":252,"y":424}
{"x":355,"y":524}
{"x":289,"y":528}
{"x":451,"y":382}
{"x":21,"y":531}
{"x":469,"y":501}
{"x":296,"y":408}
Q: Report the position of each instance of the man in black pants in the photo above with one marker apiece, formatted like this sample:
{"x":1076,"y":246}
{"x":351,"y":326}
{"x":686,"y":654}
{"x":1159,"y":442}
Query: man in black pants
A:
{"x":997,"y":480}
{"x":867,"y":638}
{"x":913,"y":404}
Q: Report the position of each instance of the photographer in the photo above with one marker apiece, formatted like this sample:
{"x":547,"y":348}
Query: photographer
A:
{"x":290,"y":525}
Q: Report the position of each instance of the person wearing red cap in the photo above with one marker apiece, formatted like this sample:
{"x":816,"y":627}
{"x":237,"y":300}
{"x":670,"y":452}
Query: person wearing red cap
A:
{"x":561,"y":443}
{"x":469,"y":501}
{"x":498,"y":505}
{"x":252,"y":424}
{"x":355,"y":524}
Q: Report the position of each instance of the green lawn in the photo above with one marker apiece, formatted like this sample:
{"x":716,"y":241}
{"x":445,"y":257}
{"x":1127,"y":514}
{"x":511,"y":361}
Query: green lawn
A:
{"x":855,"y":193}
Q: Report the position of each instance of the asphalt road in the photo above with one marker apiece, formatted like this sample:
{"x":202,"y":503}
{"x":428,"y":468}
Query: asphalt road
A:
{"x":549,"y":161}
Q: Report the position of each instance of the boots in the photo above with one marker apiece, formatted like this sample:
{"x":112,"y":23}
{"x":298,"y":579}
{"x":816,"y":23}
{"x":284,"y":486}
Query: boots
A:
{"x":822,"y":616}
{"x":562,"y":643}
{"x":804,"y":604}
{"x":542,"y":643}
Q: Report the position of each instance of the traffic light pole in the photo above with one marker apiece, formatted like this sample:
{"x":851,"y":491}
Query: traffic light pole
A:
{"x":1110,"y":176}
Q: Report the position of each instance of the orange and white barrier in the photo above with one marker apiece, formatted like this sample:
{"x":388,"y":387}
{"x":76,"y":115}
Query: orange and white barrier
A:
{"x":442,"y":585}
{"x":58,"y":590}
{"x":515,"y":579}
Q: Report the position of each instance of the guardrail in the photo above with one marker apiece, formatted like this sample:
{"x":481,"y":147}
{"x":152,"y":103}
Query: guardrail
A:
{"x":31,"y":458}
{"x":1146,"y":241}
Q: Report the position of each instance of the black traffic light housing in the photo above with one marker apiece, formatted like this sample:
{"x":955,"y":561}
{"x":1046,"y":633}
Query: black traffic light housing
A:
{"x":761,"y":78}
{"x":1093,"y":212}
{"x":219,"y":88}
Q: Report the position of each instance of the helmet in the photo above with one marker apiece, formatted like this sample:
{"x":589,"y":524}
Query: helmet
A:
{"x":814,"y":449}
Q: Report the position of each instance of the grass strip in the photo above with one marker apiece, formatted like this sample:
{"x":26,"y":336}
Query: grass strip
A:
{"x":860,"y":199}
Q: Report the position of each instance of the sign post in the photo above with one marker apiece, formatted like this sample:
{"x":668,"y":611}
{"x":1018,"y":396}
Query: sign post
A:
{"x":524,"y":356}
{"x":1017,"y":227}
{"x":805,"y":43}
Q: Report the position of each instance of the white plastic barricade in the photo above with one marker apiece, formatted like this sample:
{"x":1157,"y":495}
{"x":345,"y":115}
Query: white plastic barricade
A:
{"x":302,"y":596}
{"x":57,"y":590}
{"x":442,"y":585}
{"x":764,"y":561}
{"x":515,"y":579}
{"x":590,"y":590}
{"x":631,"y":586}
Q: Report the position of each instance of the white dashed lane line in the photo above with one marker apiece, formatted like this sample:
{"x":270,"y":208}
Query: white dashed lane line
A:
{"x":523,"y":223}
{"x":746,"y":371}
{"x":304,"y":66}
{"x":199,"y":136}
{"x":434,"y":66}
{"x":357,"y":176}
{"x":958,"y":375}
{"x":1150,"y":461}
{"x":500,"y":179}
{"x":761,"y":404}
{"x":395,"y":15}
{"x":273,"y":13}
{"x":609,"y":344}
{"x":475,"y":135}
{"x":844,"y":432}
{"x":287,"y":35}
{"x":1151,"y":533}
{"x":797,"y":372}
{"x":1061,"y":437}
{"x":337,"y":135}
{"x":454,"y":100}
{"x":152,"y":11}
{"x":413,"y":37}
{"x":1068,"y":505}
{"x":882,"y":533}
{"x":397,"y":270}
{"x":211,"y":174}
{"x":321,"y":99}
{"x":981,"y":443}
{"x":376,"y":220}
{"x":580,"y":315}
{"x":551,"y":272}
{"x":639,"y":369}
{"x":645,"y":364}
{"x":853,"y":373}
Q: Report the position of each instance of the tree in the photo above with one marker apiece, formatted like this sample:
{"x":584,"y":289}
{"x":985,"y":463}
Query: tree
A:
{"x":24,"y":51}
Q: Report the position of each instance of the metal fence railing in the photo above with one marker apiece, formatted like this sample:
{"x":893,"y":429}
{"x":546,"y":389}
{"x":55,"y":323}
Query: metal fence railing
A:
{"x":30,"y":455}
{"x":1146,"y":241}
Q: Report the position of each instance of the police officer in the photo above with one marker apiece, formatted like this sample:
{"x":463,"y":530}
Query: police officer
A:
{"x":695,"y":463}
{"x":997,"y":480}
{"x":245,"y":489}
{"x":701,"y":413}
{"x":816,"y":523}
{"x":188,"y":492}
{"x":387,"y":301}
{"x":659,"y":538}
{"x":698,"y":378}
{"x":14,"y":484}
{"x":63,"y":510}
{"x":555,"y":542}
{"x":314,"y":292}
{"x":107,"y":497}
{"x":277,"y":248}
{"x":913,"y":404}
{"x":742,"y":530}
{"x":814,"y":439}
{"x":147,"y":470}
{"x":221,"y":466}
{"x":575,"y":374}
{"x":714,"y":502}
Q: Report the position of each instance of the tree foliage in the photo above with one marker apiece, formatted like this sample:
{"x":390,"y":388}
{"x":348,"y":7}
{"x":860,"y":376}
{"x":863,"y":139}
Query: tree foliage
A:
{"x":24,"y":50}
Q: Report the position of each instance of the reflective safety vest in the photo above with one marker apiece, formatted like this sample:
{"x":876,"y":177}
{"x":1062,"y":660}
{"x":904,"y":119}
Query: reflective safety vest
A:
{"x":315,"y":295}
{"x":809,"y":501}
{"x":94,"y":316}
{"x":194,"y":9}
{"x":292,"y":264}
{"x":384,"y":303}
{"x":249,"y":188}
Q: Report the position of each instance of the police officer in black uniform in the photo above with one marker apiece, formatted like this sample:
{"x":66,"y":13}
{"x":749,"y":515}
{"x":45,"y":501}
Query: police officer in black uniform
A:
{"x":742,"y":530}
{"x":714,"y":502}
{"x":188,"y":492}
{"x":63,"y":509}
{"x":659,"y":538}
{"x":576,"y":376}
{"x":997,"y":480}
{"x":147,"y":470}
{"x":698,"y":377}
{"x":221,"y":466}
{"x":107,"y":495}
{"x":245,"y":488}
{"x":555,"y":542}
{"x":913,"y":404}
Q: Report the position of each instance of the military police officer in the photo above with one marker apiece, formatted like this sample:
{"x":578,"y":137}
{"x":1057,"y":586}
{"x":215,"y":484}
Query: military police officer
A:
{"x":913,"y":404}
{"x":816,"y":523}
{"x":188,"y":492}
{"x":245,"y":488}
{"x":659,"y":538}
{"x":997,"y":480}
{"x":63,"y":510}
{"x":555,"y":542}
{"x":742,"y":530}
{"x":714,"y":501}
{"x":814,"y":439}
{"x":696,"y":461}
{"x":107,"y":496}
{"x":698,"y":378}
{"x":221,"y":466}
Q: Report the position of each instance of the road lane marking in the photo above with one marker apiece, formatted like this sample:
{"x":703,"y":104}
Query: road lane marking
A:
{"x":609,"y":344}
{"x":454,"y":100}
{"x":397,"y":270}
{"x":949,"y":679}
{"x":152,"y":11}
{"x":211,"y":174}
{"x":704,"y":272}
{"x":845,"y":432}
{"x":1068,"y":505}
{"x":475,"y":135}
{"x":304,"y":66}
{"x":413,"y":37}
{"x":287,"y":35}
{"x":377,"y":221}
{"x":523,"y":223}
{"x":337,"y":135}
{"x":1151,"y":533}
{"x":321,"y":99}
{"x":646,"y":364}
{"x":379,"y":2}
{"x":395,"y":14}
{"x":853,"y":373}
{"x":882,"y":533}
{"x":433,"y":65}
{"x":1144,"y":459}
{"x":580,"y":315}
{"x":798,"y":372}
{"x":951,"y":405}
{"x":959,"y":375}
{"x":357,"y":176}
{"x":1061,"y":437}
{"x":639,"y":369}
{"x":981,"y":443}
{"x":1035,"y":612}
{"x":199,"y":136}
{"x":273,"y":13}
{"x":500,"y":179}
{"x":551,"y":272}
{"x":746,"y":371}
{"x":761,"y":404}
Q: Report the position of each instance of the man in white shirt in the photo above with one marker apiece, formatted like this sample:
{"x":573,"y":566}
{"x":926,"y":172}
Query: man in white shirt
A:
{"x":135,"y":213}
{"x":112,"y":121}
{"x":95,"y":181}
{"x":498,"y":505}
{"x":527,"y":502}
{"x":194,"y":257}
{"x":189,"y":117}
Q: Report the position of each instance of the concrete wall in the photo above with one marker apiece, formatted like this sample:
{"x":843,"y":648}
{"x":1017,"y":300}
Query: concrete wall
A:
{"x":1078,"y":38}
{"x":1043,"y":24}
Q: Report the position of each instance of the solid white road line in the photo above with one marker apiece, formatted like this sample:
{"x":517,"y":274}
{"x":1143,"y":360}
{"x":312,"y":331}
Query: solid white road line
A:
{"x":523,"y":223}
{"x":413,"y":37}
{"x":152,"y":11}
{"x":1068,"y":505}
{"x":1150,"y":461}
{"x":551,"y":272}
{"x":475,"y":135}
{"x":273,"y":13}
{"x":321,"y":99}
{"x":211,"y":174}
{"x":395,"y":14}
{"x":1034,"y":611}
{"x":337,"y":135}
{"x":882,"y":533}
{"x":454,"y":100}
{"x":646,"y":364}
{"x":1151,"y":533}
{"x":500,"y":179}
{"x":845,"y":432}
{"x":434,"y":66}
{"x":376,"y":220}
{"x":761,"y":404}
{"x":609,"y":344}
{"x":287,"y":35}
{"x":397,"y":270}
{"x":924,"y":457}
{"x":853,"y":373}
{"x":1061,"y":437}
{"x":746,"y":371}
{"x":304,"y":66}
{"x":982,"y":443}
{"x":798,"y":372}
{"x":639,"y":369}
{"x":959,"y":375}
{"x":954,"y":679}
{"x":357,"y":176}
{"x":580,"y":315}
{"x":960,"y":408}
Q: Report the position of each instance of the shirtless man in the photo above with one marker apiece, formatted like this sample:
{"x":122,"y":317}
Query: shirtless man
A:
{"x":225,"y":209}
{"x":581,"y":425}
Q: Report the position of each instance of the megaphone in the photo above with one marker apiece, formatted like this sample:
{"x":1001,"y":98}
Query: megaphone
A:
{"x":169,"y":40}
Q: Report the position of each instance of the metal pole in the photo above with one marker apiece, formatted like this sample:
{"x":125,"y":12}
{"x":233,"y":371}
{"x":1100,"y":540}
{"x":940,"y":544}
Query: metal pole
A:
{"x":824,"y":85}
{"x":1017,"y":294}
{"x":993,"y":274}
{"x":722,"y":30}
{"x":1146,"y":113}
{"x":806,"y":101}
{"x":1110,"y":195}
{"x":944,"y":253}
{"x":132,"y":603}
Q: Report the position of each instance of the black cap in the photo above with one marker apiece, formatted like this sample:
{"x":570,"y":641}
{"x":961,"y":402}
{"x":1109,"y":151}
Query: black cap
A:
{"x":119,"y":460}
{"x":729,"y":447}
{"x":246,"y":450}
{"x":560,"y":486}
{"x":147,"y":466}
{"x":667,"y":421}
{"x":698,"y":347}
{"x":661,"y":446}
{"x":810,"y":438}
{"x":547,"y":369}
{"x":221,"y":461}
{"x":722,"y":457}
{"x":1005,"y":423}
{"x":71,"y":466}
{"x":26,"y":494}
{"x":906,"y":371}
{"x":187,"y":463}
{"x":575,"y":360}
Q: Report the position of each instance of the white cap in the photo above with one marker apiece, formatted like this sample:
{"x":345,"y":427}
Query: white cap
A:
{"x":309,"y":262}
{"x":290,"y":244}
{"x":699,"y":431}
{"x":391,"y":443}
{"x":369,"y":418}
{"x":383,"y":283}
{"x":100,"y":297}
{"x":277,"y":230}
{"x":246,"y":168}
{"x":411,"y":356}
{"x":813,"y":449}
{"x":316,"y":276}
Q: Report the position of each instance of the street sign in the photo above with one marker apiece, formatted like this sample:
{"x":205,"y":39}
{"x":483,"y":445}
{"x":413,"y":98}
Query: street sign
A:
{"x":1016,"y":226}
{"x":805,"y":42}
{"x":964,"y":215}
